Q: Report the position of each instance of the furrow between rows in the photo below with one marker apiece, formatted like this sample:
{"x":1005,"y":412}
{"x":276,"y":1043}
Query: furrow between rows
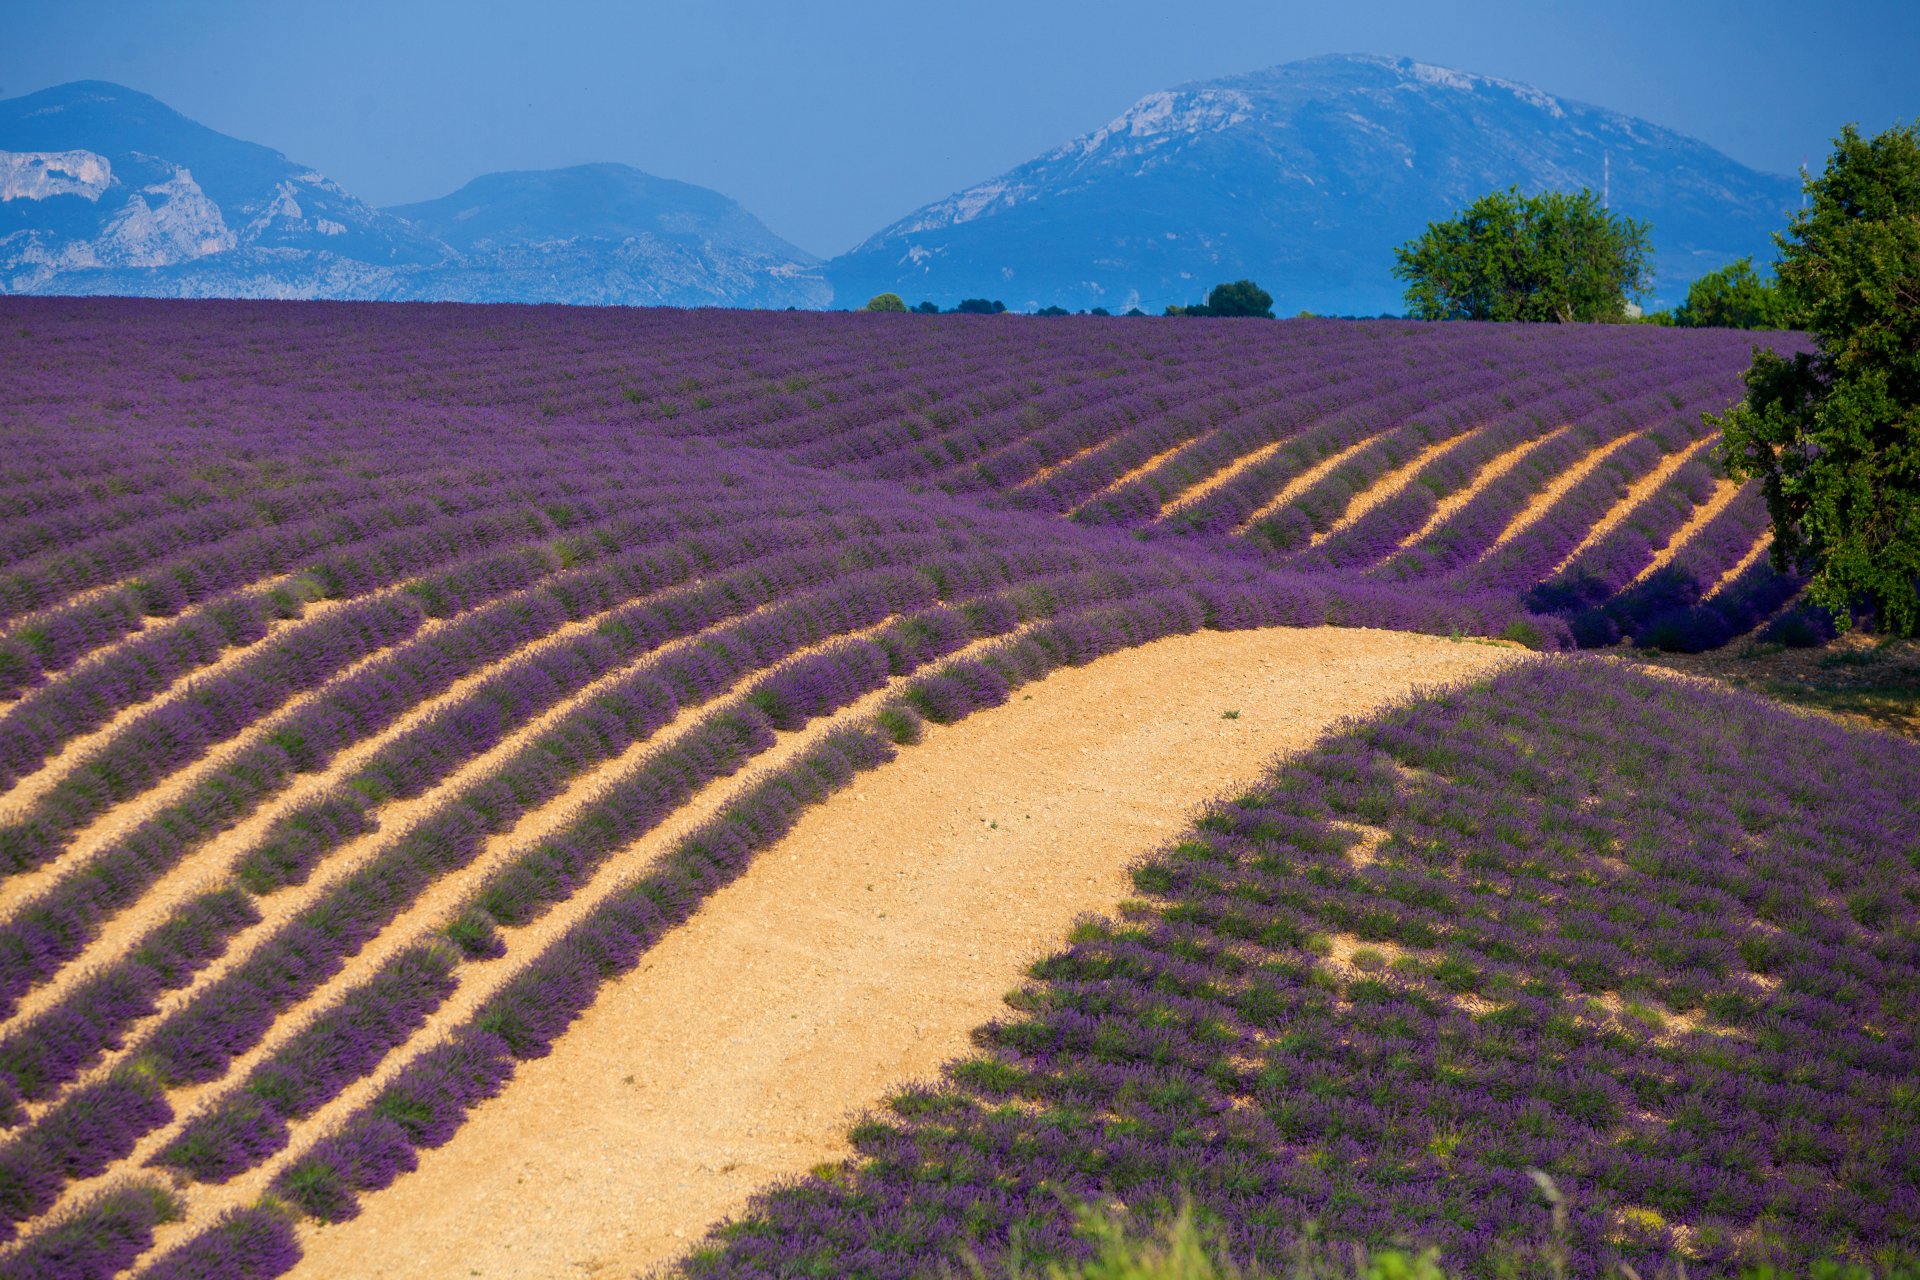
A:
{"x":1382,"y":489}
{"x":1637,"y":493}
{"x":1304,"y":481}
{"x":1491,"y":471}
{"x":1724,"y":492}
{"x":482,"y":982}
{"x":1542,"y":503}
{"x":32,"y":786}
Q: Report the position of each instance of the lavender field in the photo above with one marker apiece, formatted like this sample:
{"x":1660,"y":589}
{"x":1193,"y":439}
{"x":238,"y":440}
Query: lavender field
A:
{"x":1653,"y":942}
{"x":346,"y":651}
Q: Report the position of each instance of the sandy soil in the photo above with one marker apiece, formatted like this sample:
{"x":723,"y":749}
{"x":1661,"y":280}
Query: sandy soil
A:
{"x":858,"y":953}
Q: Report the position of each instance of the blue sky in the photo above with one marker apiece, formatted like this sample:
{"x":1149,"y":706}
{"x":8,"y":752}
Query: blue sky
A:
{"x":829,"y":120}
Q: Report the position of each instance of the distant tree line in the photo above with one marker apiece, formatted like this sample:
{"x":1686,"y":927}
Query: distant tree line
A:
{"x":1240,"y":298}
{"x":976,"y":307}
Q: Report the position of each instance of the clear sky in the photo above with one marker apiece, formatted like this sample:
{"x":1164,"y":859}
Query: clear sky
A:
{"x":830,"y":118}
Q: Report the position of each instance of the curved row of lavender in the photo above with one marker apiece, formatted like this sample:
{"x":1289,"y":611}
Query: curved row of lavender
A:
{"x":1109,"y":422}
{"x":1654,"y":941}
{"x":471,"y":557}
{"x":235,"y":597}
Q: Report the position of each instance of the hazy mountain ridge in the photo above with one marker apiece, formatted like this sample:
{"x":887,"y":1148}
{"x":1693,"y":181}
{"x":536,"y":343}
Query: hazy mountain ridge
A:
{"x":607,"y":233}
{"x":104,"y":190}
{"x":1304,"y":176}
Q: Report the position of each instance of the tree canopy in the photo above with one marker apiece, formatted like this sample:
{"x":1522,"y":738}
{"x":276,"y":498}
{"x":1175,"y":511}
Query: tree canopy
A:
{"x":1734,"y":297}
{"x":886,"y":302}
{"x":979,"y":307}
{"x":1834,"y":434}
{"x":1555,"y":256}
{"x":1240,"y":298}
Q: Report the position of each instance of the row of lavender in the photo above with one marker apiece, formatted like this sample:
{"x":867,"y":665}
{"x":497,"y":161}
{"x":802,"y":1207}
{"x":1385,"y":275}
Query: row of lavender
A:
{"x":1655,"y":942}
{"x":425,"y":1102}
{"x":86,"y":1129}
{"x":1010,"y":412}
{"x":219,"y":524}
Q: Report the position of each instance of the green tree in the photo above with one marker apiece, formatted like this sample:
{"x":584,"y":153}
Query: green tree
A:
{"x":886,"y":302}
{"x":979,"y":307}
{"x":1734,"y":297}
{"x":1241,"y":298}
{"x":1834,"y":434}
{"x":1554,"y":256}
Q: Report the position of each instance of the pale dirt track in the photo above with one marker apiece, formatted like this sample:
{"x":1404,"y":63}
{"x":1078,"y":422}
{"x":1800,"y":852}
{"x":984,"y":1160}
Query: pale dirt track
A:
{"x":858,"y":953}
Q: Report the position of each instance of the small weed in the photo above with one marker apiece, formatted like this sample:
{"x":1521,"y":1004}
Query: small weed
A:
{"x":1229,"y":715}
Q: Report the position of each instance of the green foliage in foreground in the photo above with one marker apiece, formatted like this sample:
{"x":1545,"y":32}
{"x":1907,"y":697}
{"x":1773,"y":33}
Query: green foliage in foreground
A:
{"x":1551,"y":257}
{"x":1186,"y":1250}
{"x":886,"y":302}
{"x":1834,"y":435}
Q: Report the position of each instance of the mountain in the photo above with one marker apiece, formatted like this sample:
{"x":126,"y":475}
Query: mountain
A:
{"x":609,"y":233}
{"x":1304,"y":177}
{"x":104,"y":190}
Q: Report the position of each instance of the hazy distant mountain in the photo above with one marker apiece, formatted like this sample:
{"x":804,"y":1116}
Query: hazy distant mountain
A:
{"x":104,"y":190}
{"x":609,"y":233}
{"x":1304,"y":177}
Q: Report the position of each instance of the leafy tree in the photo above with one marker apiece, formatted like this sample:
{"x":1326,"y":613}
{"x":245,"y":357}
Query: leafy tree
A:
{"x":1099,"y":311}
{"x":980,"y":307}
{"x":885,"y":302}
{"x":1734,"y":297}
{"x":1834,"y":434}
{"x":1055,"y":310}
{"x":1554,"y":256}
{"x":928,"y":309}
{"x":1241,"y":298}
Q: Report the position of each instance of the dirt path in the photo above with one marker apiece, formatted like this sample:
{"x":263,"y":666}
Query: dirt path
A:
{"x":858,"y":953}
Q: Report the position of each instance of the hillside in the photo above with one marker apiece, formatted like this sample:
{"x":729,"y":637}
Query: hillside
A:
{"x":1580,"y":920}
{"x":1303,"y":177}
{"x":383,"y":687}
